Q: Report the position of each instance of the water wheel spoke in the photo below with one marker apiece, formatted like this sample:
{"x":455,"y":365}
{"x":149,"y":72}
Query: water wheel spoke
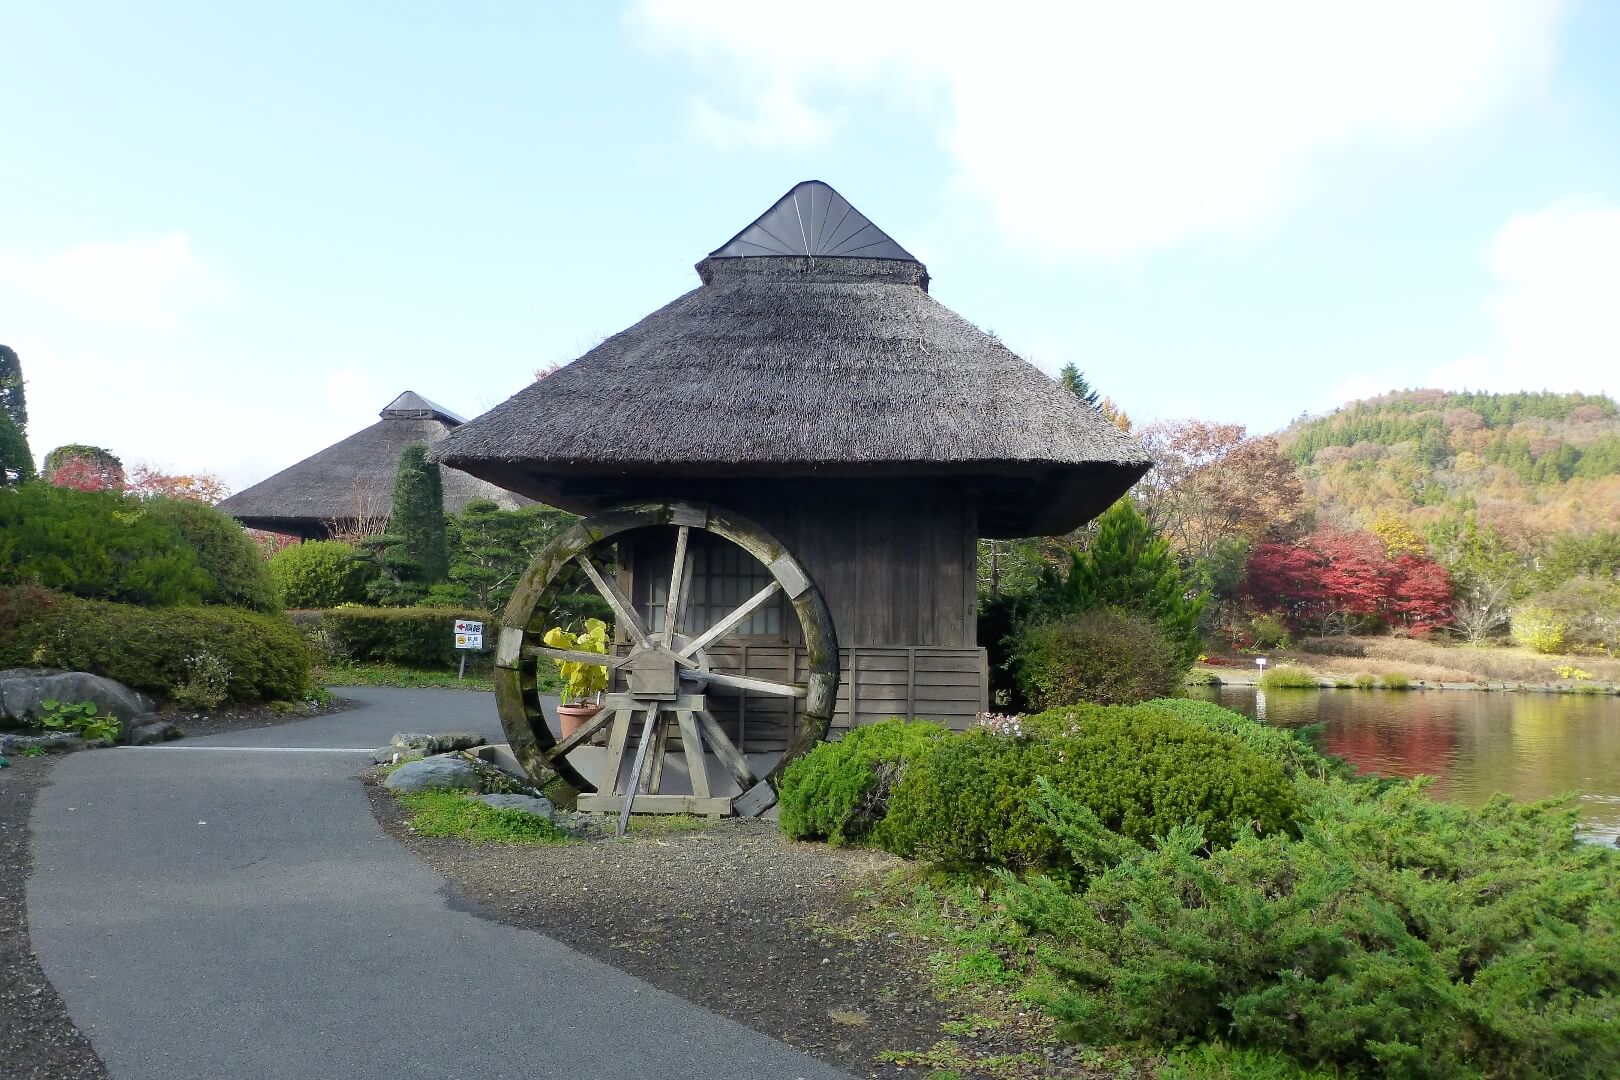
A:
{"x":724,"y":749}
{"x":735,"y":619}
{"x":759,"y":686}
{"x":615,"y":600}
{"x":679,"y":576}
{"x":574,"y":656}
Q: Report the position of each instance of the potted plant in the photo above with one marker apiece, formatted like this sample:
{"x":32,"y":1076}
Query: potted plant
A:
{"x":581,"y":682}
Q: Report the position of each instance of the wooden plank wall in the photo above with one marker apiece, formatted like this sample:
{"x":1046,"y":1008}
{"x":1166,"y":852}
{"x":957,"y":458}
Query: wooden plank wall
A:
{"x":921,"y":682}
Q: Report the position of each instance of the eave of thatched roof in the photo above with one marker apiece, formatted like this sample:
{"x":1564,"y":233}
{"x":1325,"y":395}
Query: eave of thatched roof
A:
{"x":355,"y":477}
{"x":796,"y":365}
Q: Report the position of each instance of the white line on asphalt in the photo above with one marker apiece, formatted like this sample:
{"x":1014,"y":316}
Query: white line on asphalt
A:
{"x":266,"y":749}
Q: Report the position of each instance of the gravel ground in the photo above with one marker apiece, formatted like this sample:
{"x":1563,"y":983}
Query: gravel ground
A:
{"x":768,"y":932}
{"x":37,"y":1040}
{"x":724,"y":915}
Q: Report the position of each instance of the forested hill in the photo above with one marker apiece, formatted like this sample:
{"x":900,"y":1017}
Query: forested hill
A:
{"x":1532,"y":464}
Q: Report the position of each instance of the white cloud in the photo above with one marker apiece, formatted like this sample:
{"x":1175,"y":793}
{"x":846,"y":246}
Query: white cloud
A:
{"x":1107,"y":127}
{"x":139,"y":282}
{"x":1557,"y":316}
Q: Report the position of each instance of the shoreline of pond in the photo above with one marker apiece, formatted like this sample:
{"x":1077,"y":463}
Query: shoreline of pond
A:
{"x":1218,"y":677}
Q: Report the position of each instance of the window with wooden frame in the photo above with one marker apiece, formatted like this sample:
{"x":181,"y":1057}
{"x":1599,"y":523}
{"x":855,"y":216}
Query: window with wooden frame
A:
{"x":723,"y":577}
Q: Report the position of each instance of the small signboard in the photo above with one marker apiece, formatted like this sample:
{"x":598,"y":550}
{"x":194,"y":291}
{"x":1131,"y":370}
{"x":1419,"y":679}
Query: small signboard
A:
{"x":469,"y":634}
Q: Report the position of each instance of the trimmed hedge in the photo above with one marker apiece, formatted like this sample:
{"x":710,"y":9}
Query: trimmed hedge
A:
{"x":839,"y":790}
{"x":149,"y":648}
{"x":1106,"y":657}
{"x":421,"y":637}
{"x":320,"y":574}
{"x":973,"y":799}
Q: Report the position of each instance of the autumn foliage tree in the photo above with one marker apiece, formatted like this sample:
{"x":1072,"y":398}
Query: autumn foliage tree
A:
{"x":84,"y":468}
{"x":150,"y":483}
{"x":1334,"y":581}
{"x":1214,"y":483}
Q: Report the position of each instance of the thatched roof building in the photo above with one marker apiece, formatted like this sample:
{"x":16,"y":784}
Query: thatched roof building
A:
{"x":811,"y":349}
{"x":354,"y":479}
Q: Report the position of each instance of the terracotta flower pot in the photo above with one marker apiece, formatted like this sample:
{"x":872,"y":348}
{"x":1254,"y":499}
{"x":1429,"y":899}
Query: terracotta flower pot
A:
{"x":571,"y":717}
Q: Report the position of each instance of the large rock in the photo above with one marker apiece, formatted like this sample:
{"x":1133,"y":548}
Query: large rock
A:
{"x":155,"y":731}
{"x":435,"y":774}
{"x":52,"y":742}
{"x":438,"y":744}
{"x":22,"y":692}
{"x":529,"y":804}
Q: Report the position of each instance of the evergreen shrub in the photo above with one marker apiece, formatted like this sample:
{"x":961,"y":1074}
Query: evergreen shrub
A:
{"x":156,"y":649}
{"x":1289,"y":747}
{"x":95,"y":544}
{"x":237,"y":574}
{"x":1105,"y":657}
{"x":840,"y":790}
{"x":973,"y":799}
{"x":1398,"y":937}
{"x":320,"y":574}
{"x":420,"y":637}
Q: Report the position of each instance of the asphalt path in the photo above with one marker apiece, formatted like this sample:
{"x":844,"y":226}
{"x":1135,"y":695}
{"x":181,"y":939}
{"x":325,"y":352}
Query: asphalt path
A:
{"x":236,"y":912}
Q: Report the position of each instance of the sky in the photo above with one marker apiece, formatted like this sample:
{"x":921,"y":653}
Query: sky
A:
{"x":230,"y":234}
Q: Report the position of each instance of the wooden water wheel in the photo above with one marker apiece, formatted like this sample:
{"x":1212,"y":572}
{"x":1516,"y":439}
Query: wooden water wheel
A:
{"x":662,"y":683}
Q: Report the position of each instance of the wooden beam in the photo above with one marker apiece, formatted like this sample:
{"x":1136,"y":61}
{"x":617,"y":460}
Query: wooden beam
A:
{"x":615,"y":599}
{"x":735,"y":619}
{"x":618,"y":736}
{"x":581,"y":733}
{"x":692,"y":747}
{"x":635,"y":769}
{"x":729,"y":755}
{"x":656,"y":804}
{"x":575,"y":656}
{"x":675,"y":602}
{"x":763,"y":686}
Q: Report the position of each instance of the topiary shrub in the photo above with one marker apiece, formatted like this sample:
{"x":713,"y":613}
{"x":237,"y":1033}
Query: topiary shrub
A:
{"x":839,"y":790}
{"x":1105,"y":657}
{"x":320,"y":574}
{"x":94,"y":544}
{"x":237,"y":575}
{"x":157,"y":650}
{"x":421,"y":637}
{"x":973,"y":799}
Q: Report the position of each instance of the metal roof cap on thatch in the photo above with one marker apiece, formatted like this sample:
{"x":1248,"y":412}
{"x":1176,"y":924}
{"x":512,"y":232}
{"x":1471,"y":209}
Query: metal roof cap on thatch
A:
{"x":355,"y":477}
{"x":798,"y":362}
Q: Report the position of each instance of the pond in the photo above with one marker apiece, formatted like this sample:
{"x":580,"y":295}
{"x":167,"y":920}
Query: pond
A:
{"x":1474,"y":743}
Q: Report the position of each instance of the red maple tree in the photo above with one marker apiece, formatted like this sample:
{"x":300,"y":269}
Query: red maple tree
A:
{"x":1335,"y":581}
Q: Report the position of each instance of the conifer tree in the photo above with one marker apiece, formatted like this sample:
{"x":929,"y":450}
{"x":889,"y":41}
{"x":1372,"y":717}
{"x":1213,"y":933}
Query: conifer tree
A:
{"x":1074,"y":381}
{"x":413,"y":552}
{"x":418,"y":514}
{"x":16,"y":459}
{"x":1128,"y":566}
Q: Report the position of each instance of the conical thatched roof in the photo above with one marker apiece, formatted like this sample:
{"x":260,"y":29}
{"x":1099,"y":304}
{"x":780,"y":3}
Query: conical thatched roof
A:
{"x":355,"y":478}
{"x":805,"y":363}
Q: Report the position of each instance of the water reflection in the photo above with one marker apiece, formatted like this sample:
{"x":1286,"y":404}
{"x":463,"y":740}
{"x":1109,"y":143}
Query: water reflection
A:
{"x":1532,"y":746}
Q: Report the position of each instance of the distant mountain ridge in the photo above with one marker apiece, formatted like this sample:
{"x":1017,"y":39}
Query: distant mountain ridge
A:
{"x":1533,"y":465}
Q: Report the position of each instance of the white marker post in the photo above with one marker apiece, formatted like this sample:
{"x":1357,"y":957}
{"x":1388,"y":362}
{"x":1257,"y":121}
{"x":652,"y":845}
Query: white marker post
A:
{"x":469,"y":635}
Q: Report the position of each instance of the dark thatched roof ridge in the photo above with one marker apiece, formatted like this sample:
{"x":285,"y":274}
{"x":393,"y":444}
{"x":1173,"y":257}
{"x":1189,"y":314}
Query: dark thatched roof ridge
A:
{"x":356,"y":476}
{"x":808,"y":366}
